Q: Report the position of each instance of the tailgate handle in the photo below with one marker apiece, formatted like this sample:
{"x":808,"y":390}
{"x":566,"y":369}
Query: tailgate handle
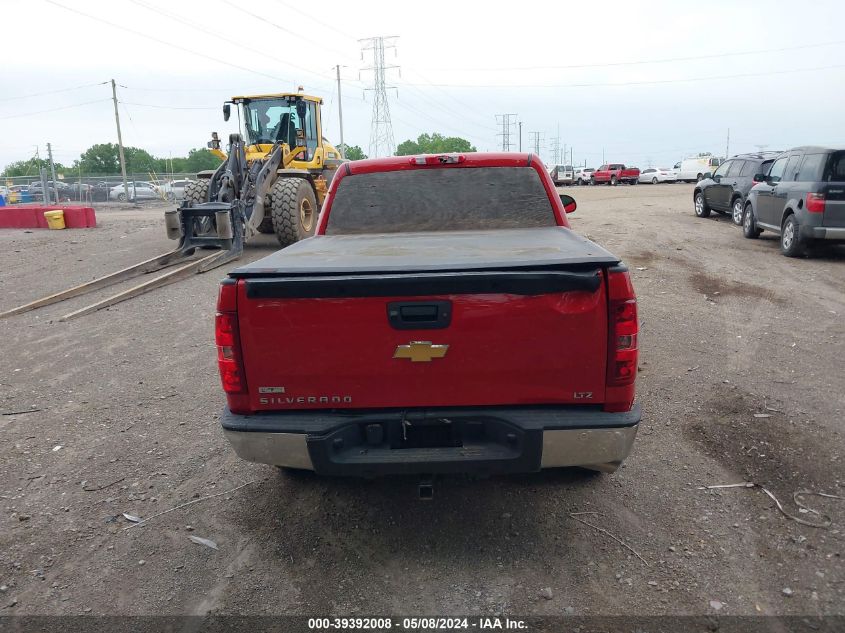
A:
{"x":419,"y":315}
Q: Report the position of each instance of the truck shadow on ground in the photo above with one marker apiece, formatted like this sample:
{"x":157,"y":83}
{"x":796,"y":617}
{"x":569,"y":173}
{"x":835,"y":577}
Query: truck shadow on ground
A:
{"x":384,"y":523}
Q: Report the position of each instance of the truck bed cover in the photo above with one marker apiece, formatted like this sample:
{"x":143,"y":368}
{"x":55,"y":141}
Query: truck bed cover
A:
{"x":431,"y":251}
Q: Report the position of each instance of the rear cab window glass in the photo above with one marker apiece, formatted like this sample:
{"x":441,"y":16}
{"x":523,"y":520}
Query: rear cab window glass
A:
{"x":440,"y":199}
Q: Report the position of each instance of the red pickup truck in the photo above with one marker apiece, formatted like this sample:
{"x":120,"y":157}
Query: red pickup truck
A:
{"x":614,"y":173}
{"x":443,"y":319}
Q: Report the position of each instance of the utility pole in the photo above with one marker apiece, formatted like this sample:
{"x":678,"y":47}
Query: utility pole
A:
{"x":728,"y":144}
{"x":340,"y":114}
{"x":53,"y":172}
{"x":44,"y":192}
{"x":506,"y":120}
{"x":119,"y":141}
{"x":381,"y":128}
{"x":520,"y":136}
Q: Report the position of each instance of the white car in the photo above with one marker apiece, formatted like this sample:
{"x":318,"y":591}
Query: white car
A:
{"x":138,"y":190}
{"x":583,"y":175}
{"x":654,"y":175}
{"x":175,"y":189}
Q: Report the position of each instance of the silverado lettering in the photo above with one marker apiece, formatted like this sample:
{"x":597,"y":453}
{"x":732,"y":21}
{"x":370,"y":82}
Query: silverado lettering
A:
{"x":307,"y":400}
{"x":465,"y":326}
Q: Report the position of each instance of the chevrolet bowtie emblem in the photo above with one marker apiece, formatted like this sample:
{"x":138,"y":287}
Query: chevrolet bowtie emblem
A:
{"x":420,"y":351}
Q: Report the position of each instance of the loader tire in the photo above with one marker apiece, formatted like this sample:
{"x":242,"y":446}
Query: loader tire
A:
{"x":196,"y":192}
{"x":294,"y":210}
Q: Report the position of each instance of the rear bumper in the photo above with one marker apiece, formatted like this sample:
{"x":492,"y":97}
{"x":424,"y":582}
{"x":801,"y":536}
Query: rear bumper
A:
{"x":823,"y":233}
{"x":482,"y":441}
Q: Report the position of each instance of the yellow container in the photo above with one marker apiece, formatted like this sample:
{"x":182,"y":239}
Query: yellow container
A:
{"x":55,"y":219}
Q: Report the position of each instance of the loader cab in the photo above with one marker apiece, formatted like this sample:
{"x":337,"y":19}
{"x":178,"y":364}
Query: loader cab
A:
{"x":290,"y":119}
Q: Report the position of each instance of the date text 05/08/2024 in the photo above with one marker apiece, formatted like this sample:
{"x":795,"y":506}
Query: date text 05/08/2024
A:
{"x":416,"y":624}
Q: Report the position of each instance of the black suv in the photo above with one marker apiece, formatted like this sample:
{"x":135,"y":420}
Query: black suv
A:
{"x":726,"y":190}
{"x":801,"y":198}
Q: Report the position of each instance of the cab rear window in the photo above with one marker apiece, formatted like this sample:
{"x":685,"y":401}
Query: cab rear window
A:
{"x":440,"y":199}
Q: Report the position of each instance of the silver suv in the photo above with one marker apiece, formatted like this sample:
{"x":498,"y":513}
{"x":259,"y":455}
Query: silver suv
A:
{"x":801,"y":198}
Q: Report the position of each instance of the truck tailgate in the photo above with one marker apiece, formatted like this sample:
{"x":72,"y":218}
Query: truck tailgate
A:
{"x":475,"y":325}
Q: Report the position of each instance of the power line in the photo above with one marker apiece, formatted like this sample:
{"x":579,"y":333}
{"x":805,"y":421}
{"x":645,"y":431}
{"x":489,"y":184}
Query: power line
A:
{"x":264,"y":19}
{"x":640,"y":83}
{"x":317,"y":20}
{"x":192,"y":24}
{"x":73,"y":105}
{"x":52,"y":92}
{"x":665,"y":60}
{"x":168,"y":107}
{"x":168,"y":43}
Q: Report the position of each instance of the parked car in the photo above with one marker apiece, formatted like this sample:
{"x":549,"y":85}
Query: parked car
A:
{"x":562,"y":174}
{"x":693,"y":169}
{"x":58,"y":190}
{"x":613,"y":173}
{"x":583,"y":175}
{"x":175,"y":189}
{"x":676,"y":169}
{"x":654,"y":175}
{"x":138,"y":190}
{"x":801,"y":198}
{"x":726,"y":190}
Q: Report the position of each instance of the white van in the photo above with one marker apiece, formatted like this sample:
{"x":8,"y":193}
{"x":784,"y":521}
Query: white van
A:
{"x":693,"y":168}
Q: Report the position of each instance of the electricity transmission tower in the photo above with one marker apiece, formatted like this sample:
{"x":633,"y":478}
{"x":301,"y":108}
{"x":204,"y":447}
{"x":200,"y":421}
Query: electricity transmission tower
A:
{"x":537,"y":141}
{"x":505,"y":120}
{"x":556,"y":150}
{"x":381,"y":130}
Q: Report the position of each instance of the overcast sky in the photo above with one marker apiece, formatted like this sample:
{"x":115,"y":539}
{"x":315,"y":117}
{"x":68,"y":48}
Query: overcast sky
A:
{"x":552,"y":63}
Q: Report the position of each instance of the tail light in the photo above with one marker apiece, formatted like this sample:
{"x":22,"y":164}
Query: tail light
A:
{"x":815,"y":202}
{"x":229,"y":357}
{"x":622,"y":348}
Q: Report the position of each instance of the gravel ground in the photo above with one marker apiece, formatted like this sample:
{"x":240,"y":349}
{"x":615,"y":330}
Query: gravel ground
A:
{"x":741,"y":380}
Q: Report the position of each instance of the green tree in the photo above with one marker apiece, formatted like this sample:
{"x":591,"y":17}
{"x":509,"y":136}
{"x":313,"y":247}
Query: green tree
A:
{"x":200,"y":159}
{"x":434,"y":144}
{"x":31,"y":168}
{"x":104,"y":159}
{"x":100,"y":159}
{"x":138,"y":160}
{"x":353,"y":152}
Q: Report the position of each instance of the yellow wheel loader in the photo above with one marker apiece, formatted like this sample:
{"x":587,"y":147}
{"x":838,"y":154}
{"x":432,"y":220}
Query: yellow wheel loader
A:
{"x":273,"y":179}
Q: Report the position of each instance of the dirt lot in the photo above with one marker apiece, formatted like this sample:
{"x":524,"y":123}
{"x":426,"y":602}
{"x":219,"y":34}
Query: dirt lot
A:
{"x":741,"y":380}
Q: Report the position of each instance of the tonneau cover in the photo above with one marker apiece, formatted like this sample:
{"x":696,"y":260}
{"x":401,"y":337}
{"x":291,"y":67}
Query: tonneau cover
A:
{"x":431,"y":251}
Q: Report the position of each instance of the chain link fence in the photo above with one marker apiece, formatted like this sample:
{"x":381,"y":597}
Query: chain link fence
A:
{"x":93,"y":189}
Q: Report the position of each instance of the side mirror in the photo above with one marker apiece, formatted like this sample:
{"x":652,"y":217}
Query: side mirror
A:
{"x":708,"y":175}
{"x":759,"y":178}
{"x":569,"y":204}
{"x":227,"y":111}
